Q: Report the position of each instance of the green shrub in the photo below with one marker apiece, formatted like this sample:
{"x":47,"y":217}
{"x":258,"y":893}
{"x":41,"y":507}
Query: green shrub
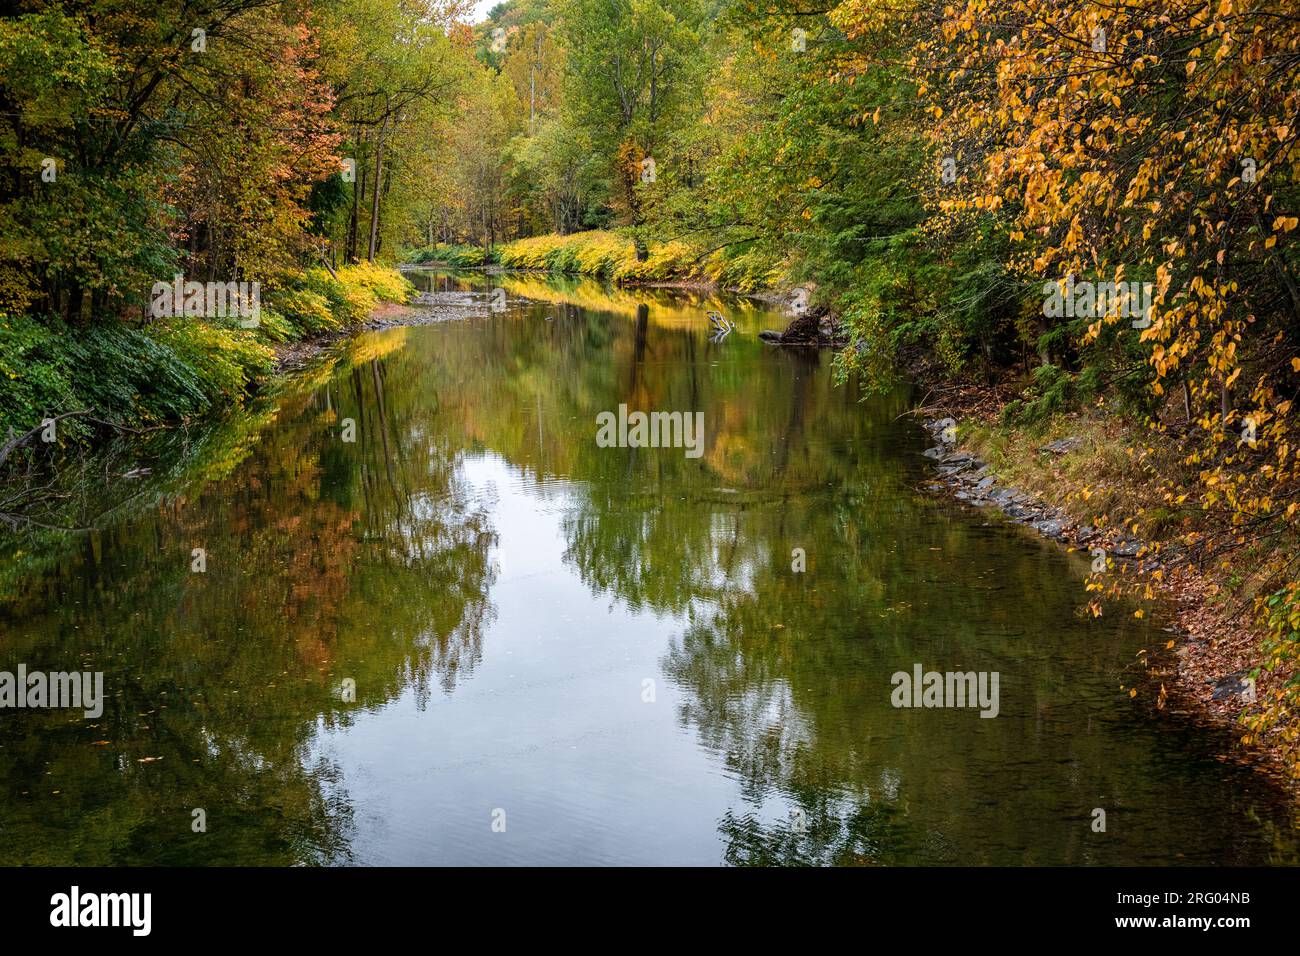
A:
{"x":126,"y":375}
{"x":174,"y":369}
{"x":308,"y":310}
{"x":274,"y":327}
{"x":34,"y":379}
{"x":460,"y":256}
{"x":749,"y":271}
{"x":227,"y":360}
{"x":165,"y":372}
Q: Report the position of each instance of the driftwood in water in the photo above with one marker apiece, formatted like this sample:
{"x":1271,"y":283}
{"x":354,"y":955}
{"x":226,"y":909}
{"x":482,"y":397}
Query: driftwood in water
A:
{"x":814,"y":327}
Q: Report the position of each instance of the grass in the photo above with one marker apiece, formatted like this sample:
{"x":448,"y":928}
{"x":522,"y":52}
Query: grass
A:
{"x":1097,"y":480}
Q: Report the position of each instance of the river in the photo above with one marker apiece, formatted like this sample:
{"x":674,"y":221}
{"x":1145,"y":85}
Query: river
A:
{"x":472,"y":635}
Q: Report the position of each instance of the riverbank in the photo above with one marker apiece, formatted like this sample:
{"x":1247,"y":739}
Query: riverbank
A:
{"x":291,"y":356}
{"x":613,"y":257}
{"x":1075,"y":480}
{"x":472,"y":544}
{"x":130,"y":376}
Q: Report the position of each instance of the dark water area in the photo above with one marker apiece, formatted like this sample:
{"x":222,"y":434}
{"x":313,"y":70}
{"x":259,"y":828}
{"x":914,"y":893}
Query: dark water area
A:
{"x":475,"y":636}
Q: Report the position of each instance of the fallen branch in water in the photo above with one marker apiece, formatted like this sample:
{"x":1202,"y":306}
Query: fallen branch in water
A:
{"x":17,"y":440}
{"x":16,"y":521}
{"x":118,"y":426}
{"x":16,"y":508}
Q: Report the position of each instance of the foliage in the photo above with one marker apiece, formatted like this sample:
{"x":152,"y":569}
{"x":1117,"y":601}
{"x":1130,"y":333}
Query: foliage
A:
{"x":459,"y":256}
{"x":307,"y":311}
{"x":226,"y":360}
{"x":613,"y":256}
{"x":1152,"y":143}
{"x":134,"y":376}
{"x":1275,"y":716}
{"x":383,"y":283}
{"x":172,"y":369}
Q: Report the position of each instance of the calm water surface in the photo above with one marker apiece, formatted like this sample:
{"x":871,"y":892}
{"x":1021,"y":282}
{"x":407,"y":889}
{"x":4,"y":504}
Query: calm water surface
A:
{"x":605,"y":649}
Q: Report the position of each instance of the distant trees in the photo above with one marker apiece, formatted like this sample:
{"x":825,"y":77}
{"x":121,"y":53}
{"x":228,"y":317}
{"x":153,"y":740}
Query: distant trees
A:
{"x":138,"y":140}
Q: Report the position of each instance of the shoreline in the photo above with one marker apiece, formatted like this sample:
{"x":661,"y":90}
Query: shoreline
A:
{"x":1200,"y":675}
{"x":770,"y":296}
{"x":291,"y":357}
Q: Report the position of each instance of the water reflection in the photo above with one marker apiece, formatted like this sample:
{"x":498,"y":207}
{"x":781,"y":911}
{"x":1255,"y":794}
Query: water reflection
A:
{"x":501,"y":590}
{"x":325,"y":560}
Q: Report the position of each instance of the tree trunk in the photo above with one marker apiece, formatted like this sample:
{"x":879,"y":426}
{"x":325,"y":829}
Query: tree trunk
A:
{"x":354,"y":227}
{"x":76,"y":296}
{"x":374,"y":197}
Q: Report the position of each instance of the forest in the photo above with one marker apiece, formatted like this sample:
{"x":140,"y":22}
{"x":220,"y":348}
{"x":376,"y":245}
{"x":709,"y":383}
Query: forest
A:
{"x":1085,"y":210}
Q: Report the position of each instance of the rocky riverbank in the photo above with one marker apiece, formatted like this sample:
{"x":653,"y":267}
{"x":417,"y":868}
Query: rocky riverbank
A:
{"x":427,"y":308}
{"x":1203,"y":672}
